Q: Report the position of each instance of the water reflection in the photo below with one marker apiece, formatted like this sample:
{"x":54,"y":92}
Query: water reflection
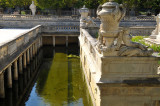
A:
{"x":60,"y":80}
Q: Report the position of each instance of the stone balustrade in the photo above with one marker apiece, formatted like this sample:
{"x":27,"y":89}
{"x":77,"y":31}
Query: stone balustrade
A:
{"x":61,"y":28}
{"x":36,"y":17}
{"x":139,"y":18}
{"x":66,"y":18}
{"x":141,"y":31}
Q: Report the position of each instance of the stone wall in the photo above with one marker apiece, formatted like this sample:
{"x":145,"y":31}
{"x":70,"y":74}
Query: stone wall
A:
{"x":136,"y":27}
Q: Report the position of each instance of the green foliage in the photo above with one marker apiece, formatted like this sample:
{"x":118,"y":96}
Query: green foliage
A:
{"x":92,"y":4}
{"x":140,"y":39}
{"x":155,"y":48}
{"x":96,"y":35}
{"x":23,"y":12}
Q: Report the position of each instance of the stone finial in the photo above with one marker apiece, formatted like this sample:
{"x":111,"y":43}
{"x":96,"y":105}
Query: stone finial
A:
{"x":111,"y":40}
{"x":84,"y":15}
{"x":86,"y":21}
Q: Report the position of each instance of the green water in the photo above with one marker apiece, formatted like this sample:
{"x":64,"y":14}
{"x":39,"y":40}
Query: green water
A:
{"x":59,"y":82}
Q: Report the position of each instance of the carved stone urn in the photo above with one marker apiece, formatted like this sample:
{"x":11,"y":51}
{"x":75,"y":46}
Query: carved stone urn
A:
{"x":110,"y":14}
{"x":84,"y":15}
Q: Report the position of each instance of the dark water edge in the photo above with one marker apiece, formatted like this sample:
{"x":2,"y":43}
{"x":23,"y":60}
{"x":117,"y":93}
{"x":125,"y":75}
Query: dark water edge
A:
{"x":58,"y":81}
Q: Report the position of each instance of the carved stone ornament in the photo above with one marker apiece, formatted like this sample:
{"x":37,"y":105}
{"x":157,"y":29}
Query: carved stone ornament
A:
{"x":33,"y":8}
{"x":156,"y":32}
{"x":86,"y":21}
{"x":111,"y":40}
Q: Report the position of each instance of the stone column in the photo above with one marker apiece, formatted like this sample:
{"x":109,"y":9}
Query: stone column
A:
{"x":15,"y":71}
{"x":54,"y":41}
{"x":20,"y":65}
{"x":66,"y":41}
{"x":2,"y":90}
{"x":24,"y":60}
{"x":33,"y":50}
{"x":31,"y":55}
{"x":28,"y":57}
{"x":9,"y":75}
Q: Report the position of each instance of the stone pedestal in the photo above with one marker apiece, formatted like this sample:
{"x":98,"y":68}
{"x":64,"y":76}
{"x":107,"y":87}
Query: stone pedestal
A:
{"x":130,"y":94}
{"x":119,"y":69}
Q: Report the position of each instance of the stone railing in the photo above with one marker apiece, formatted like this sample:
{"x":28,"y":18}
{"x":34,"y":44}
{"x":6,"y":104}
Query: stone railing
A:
{"x":139,"y":18}
{"x":9,"y":48}
{"x":90,"y":42}
{"x":61,"y":28}
{"x":72,"y":17}
{"x":37,"y":17}
{"x":141,"y":31}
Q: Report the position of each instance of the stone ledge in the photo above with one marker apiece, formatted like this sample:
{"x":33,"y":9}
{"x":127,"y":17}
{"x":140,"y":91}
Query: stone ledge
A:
{"x":152,"y":41}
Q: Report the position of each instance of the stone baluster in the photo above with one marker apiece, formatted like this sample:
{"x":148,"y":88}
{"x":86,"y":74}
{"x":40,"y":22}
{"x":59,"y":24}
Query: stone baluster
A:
{"x":54,"y":41}
{"x":36,"y":48}
{"x":66,"y":41}
{"x":31,"y":55}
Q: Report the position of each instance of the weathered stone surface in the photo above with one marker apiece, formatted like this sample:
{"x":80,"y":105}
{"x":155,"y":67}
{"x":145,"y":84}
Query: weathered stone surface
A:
{"x":112,"y":41}
{"x":119,"y":75}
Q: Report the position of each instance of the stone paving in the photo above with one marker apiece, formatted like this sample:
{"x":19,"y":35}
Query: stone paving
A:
{"x":7,"y":35}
